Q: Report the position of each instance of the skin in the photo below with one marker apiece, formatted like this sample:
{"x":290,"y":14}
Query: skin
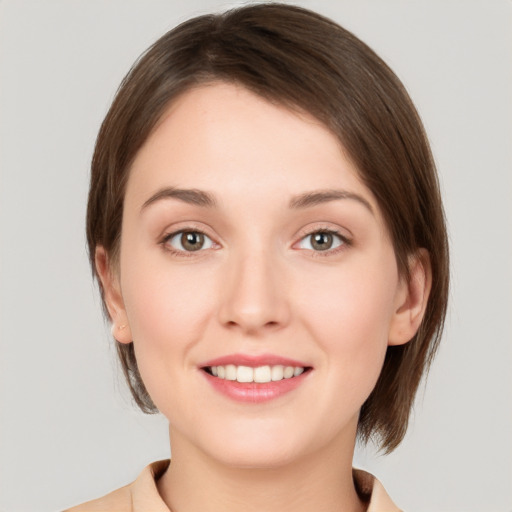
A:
{"x":258,"y":286}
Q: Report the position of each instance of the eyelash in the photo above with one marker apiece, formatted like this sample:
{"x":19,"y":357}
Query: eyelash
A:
{"x":345,"y":242}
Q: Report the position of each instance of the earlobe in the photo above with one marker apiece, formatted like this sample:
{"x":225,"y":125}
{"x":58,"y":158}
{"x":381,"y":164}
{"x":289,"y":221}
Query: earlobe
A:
{"x":412,"y":299}
{"x":112,"y":296}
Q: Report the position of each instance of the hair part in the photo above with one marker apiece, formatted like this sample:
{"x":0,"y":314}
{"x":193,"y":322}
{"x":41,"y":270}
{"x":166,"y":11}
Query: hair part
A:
{"x":299,"y":59}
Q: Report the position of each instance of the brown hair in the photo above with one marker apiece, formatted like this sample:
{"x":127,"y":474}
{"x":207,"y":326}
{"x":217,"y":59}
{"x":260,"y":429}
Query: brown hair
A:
{"x":297,"y":58}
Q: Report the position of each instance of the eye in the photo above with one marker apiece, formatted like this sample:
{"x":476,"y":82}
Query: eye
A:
{"x":322,"y":241}
{"x":188,"y":241}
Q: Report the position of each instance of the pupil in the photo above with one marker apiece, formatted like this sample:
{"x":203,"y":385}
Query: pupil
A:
{"x":192,"y":241}
{"x":322,"y":241}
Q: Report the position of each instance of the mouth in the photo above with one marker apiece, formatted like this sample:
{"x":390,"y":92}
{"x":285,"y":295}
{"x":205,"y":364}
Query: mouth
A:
{"x":255,"y":379}
{"x":259,"y":374}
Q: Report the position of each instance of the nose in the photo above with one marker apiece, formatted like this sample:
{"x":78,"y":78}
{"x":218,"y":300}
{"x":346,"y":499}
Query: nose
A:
{"x":253,"y":297}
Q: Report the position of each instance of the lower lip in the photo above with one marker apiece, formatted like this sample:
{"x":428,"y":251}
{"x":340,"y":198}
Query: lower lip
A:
{"x":255,"y":392}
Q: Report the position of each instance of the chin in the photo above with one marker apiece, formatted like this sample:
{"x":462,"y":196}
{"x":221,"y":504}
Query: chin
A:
{"x":259,"y":448}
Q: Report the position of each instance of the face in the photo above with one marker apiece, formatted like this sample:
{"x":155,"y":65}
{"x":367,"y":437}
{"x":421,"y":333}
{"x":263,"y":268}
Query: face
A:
{"x":256,"y":278}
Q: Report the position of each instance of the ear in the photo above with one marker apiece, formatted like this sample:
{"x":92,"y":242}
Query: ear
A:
{"x":411,"y":300}
{"x":112,"y":296}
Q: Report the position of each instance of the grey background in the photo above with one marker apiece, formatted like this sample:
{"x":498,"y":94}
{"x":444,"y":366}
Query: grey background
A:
{"x":68,"y":430}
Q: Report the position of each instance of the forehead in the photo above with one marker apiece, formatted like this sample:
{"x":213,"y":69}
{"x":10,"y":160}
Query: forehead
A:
{"x":223,"y":138}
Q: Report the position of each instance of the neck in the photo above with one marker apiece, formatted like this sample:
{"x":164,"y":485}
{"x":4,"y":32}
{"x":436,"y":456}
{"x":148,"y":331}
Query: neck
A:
{"x":322,"y":481}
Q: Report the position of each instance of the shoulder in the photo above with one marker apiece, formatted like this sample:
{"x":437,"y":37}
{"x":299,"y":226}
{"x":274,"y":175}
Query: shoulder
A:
{"x":119,"y":500}
{"x":139,"y":496}
{"x":372,"y":492}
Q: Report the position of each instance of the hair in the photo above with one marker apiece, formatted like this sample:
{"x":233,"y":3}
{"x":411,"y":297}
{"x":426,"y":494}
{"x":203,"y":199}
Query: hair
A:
{"x":299,"y":59}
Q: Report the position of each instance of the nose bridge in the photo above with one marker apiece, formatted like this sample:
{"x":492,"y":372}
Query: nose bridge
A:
{"x":254,"y":295}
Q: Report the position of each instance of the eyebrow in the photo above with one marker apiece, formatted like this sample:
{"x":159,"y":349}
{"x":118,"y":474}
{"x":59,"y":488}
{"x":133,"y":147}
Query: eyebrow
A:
{"x":317,"y":197}
{"x":301,"y":201}
{"x":189,"y":195}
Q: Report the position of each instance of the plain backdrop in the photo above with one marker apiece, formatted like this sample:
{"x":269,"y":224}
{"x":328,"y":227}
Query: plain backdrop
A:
{"x":68,"y":429}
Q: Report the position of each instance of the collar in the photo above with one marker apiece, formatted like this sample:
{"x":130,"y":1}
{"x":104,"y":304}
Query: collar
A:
{"x":142,"y":495}
{"x":145,"y":493}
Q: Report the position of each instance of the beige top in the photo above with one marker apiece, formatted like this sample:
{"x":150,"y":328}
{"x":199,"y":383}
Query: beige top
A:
{"x":142,"y":495}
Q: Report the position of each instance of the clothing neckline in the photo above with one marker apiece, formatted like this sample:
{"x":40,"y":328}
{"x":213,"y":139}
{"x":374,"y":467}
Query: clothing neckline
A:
{"x":369,"y":489}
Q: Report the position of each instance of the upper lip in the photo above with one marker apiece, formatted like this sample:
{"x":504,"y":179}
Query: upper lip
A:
{"x":253,"y":361}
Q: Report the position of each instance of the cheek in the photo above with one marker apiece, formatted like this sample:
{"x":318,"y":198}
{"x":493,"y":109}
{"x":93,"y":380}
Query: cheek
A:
{"x":166,"y":309}
{"x":168,"y":315}
{"x":353,"y":300}
{"x":350,"y":317}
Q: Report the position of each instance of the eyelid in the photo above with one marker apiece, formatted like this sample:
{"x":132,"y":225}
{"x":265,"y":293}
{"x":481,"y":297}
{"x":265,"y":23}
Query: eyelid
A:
{"x":182,"y":226}
{"x":325,"y":227}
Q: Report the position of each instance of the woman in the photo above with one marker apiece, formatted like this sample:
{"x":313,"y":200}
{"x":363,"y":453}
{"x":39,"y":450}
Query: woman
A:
{"x":265,"y":223}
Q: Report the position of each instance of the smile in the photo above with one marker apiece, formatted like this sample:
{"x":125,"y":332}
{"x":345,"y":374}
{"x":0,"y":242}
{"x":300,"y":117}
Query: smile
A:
{"x":259,"y":374}
{"x":255,"y":379}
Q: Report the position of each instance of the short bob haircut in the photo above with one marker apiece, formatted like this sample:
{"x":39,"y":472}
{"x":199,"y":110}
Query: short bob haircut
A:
{"x":301,"y":60}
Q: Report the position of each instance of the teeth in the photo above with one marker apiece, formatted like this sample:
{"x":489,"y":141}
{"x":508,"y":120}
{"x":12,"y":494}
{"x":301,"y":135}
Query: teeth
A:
{"x":260,"y":374}
{"x":288,"y":372}
{"x":231,"y":372}
{"x":277,"y":372}
{"x":244,"y":374}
